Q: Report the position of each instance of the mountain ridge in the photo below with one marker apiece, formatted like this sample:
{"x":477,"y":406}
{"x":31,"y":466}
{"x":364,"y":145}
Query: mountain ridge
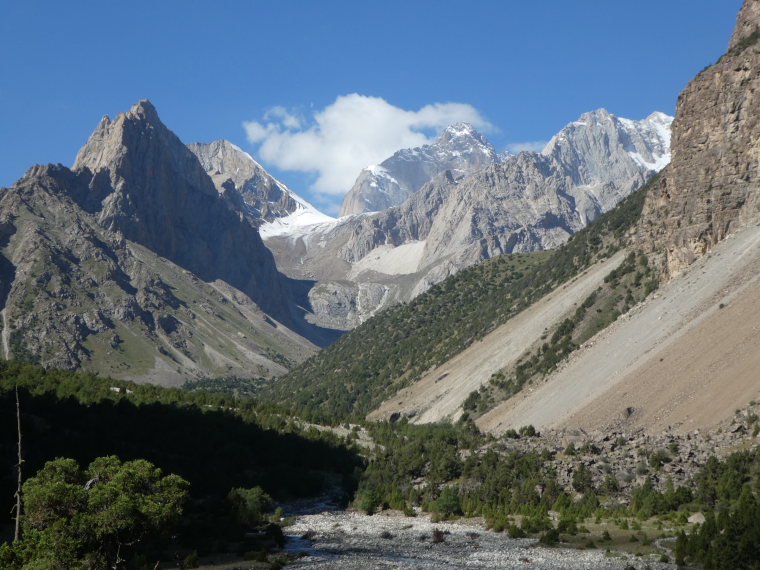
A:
{"x":459,"y":148}
{"x":125,"y":265}
{"x":525,"y":202}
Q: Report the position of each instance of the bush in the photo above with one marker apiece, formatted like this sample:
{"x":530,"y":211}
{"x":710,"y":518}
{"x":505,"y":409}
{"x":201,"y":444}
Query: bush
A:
{"x":550,"y":537}
{"x":369,"y":501}
{"x":448,"y":504}
{"x":250,"y":506}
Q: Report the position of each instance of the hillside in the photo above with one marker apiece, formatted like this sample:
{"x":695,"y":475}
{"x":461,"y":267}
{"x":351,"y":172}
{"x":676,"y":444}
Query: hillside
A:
{"x":400,"y":345}
{"x":684,"y":359}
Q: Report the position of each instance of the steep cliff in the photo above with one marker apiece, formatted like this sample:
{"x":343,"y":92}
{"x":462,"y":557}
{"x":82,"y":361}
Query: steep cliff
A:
{"x":710,"y":189}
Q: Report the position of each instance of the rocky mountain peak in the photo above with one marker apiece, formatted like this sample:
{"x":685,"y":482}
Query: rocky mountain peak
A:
{"x":223,"y":161}
{"x":260,"y":197}
{"x":459,"y":148}
{"x":135,"y":145}
{"x":149,"y":186}
{"x":460,"y":131}
{"x":144,"y":110}
{"x":584,"y":145}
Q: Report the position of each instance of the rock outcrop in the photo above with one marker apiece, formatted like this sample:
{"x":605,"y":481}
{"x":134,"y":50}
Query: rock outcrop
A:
{"x":459,"y":149}
{"x":711,"y":186}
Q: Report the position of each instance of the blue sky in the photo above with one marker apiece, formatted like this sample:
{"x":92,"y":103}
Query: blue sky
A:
{"x":307,"y":76}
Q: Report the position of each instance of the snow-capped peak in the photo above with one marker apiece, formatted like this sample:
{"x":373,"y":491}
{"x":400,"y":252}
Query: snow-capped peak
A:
{"x":647,"y":141}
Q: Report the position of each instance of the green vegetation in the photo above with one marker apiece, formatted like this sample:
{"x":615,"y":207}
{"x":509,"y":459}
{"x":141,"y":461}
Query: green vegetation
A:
{"x":94,"y":518}
{"x":746,"y":42}
{"x":238,"y":387}
{"x":452,"y":470}
{"x":216,"y":442}
{"x":394,"y":348}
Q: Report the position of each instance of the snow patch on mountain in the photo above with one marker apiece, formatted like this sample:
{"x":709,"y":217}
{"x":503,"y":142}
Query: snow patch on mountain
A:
{"x":303,"y":219}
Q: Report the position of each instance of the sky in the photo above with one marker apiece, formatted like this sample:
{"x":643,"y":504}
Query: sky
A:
{"x":317,"y":89}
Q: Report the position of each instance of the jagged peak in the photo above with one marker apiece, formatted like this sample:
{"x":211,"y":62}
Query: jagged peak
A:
{"x":144,"y":109}
{"x":459,"y":131}
{"x":603,"y":116}
{"x":591,"y":117}
{"x":102,"y":146}
{"x":460,"y":128}
{"x":104,"y":122}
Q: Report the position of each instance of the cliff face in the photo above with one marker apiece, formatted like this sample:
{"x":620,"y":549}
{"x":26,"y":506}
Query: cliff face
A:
{"x":711,"y":188}
{"x":154,"y":191}
{"x":264,"y":198}
{"x":133,"y":265}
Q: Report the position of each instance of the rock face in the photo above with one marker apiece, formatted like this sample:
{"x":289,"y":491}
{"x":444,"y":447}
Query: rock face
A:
{"x":153,"y":190}
{"x":607,"y":157}
{"x":711,"y":186}
{"x":526,"y":202}
{"x":132,"y":264}
{"x":263,"y":200}
{"x":459,"y":149}
{"x":264,"y":197}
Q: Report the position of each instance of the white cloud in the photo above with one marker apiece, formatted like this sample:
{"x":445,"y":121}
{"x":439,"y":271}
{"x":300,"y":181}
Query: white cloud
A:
{"x":351,"y":133}
{"x":531,"y":146}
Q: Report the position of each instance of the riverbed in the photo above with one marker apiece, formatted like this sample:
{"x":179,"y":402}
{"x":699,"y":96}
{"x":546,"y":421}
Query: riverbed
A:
{"x":348,"y":540}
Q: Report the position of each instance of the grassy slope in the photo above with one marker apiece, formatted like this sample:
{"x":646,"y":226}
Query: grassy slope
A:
{"x":396,"y":347}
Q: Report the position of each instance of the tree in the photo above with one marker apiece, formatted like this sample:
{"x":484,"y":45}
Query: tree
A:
{"x":582,"y":479}
{"x":17,"y":506}
{"x":93,"y":518}
{"x":250,"y":505}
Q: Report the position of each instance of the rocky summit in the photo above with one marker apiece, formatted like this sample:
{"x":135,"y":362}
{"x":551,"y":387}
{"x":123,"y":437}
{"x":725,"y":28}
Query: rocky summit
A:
{"x":459,"y":148}
{"x":133,"y":264}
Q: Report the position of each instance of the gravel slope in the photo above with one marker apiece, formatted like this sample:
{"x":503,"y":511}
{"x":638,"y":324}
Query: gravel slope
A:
{"x":677,"y":360}
{"x":440,"y":393}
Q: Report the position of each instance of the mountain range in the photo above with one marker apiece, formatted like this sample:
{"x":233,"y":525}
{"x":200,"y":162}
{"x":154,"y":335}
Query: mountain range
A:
{"x":645,"y":320}
{"x":154,"y":260}
{"x":530,"y":201}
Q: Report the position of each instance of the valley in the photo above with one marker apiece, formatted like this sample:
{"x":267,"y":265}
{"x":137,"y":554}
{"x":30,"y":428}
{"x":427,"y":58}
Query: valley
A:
{"x":537,"y":357}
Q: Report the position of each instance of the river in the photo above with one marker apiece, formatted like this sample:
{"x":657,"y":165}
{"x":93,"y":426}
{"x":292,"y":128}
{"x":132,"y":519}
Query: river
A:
{"x":347,"y":540}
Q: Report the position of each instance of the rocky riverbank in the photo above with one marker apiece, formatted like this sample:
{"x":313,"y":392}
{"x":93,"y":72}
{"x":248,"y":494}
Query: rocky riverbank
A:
{"x":347,"y":540}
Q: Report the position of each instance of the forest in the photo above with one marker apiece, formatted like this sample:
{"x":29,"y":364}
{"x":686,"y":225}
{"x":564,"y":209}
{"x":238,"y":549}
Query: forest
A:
{"x":213,"y":442}
{"x":218,"y":465}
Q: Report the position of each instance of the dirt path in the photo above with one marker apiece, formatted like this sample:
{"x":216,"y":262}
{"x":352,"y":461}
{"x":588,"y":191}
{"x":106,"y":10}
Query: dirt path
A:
{"x":679,"y":360}
{"x":440,"y":393}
